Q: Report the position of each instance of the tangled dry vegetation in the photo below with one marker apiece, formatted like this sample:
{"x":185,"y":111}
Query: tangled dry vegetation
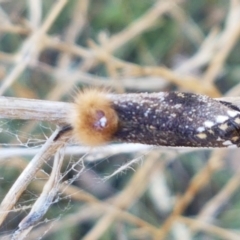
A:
{"x":63,"y":191}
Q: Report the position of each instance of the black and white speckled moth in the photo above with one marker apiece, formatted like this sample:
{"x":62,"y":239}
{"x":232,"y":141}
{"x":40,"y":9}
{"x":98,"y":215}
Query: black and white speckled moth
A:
{"x":172,"y":119}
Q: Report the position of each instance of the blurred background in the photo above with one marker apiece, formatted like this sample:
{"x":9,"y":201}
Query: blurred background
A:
{"x":50,"y":49}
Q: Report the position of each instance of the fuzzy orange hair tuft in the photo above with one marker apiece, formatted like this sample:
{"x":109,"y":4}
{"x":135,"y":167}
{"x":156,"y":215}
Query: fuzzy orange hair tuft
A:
{"x":94,"y":120}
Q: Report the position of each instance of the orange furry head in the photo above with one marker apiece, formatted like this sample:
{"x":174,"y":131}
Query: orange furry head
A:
{"x":94,"y":120}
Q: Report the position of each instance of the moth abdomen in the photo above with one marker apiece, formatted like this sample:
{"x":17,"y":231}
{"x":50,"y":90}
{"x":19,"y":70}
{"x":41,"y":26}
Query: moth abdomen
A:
{"x":176,"y":119}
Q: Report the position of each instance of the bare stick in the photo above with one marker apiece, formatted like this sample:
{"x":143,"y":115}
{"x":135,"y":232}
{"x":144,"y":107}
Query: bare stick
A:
{"x":32,"y":109}
{"x":48,"y":149}
{"x":44,"y":201}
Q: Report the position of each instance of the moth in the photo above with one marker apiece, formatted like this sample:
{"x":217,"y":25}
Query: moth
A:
{"x":173,"y":119}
